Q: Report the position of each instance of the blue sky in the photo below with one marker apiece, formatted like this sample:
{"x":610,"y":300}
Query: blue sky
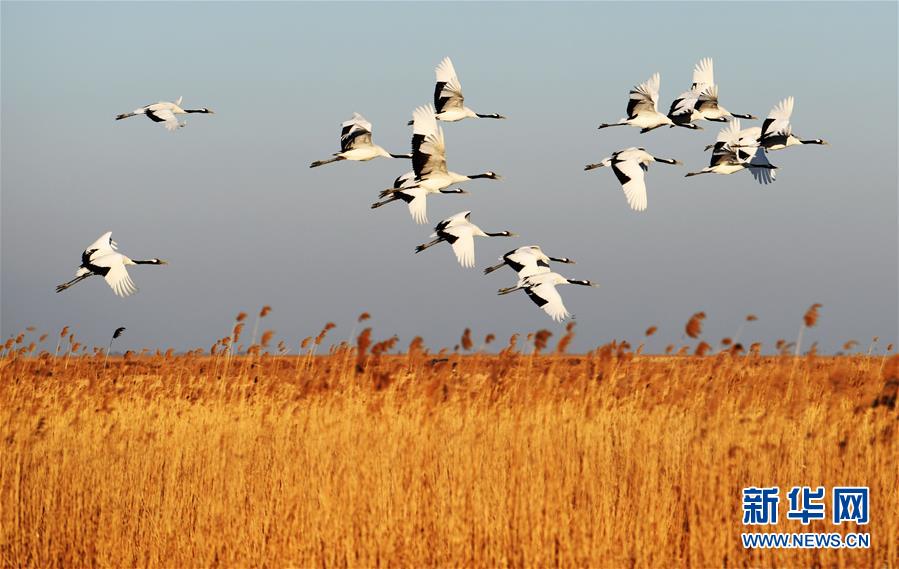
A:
{"x":231,"y":203}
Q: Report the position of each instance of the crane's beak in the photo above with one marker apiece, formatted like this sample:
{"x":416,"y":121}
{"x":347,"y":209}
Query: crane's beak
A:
{"x":163,"y":262}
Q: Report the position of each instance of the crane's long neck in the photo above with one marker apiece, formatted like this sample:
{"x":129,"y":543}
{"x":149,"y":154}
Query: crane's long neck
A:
{"x":145,"y":262}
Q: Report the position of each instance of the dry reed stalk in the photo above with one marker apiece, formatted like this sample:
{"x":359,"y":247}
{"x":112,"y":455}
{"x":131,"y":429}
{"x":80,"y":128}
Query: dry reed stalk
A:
{"x":809,"y":319}
{"x":62,"y":334}
{"x":565,"y":340}
{"x":447,"y":461}
{"x":262,"y":314}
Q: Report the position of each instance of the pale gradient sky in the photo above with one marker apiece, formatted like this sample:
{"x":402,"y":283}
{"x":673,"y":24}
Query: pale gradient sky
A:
{"x":231,"y":203}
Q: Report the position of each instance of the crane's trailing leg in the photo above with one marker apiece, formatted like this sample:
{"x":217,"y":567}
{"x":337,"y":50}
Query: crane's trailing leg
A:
{"x":64,"y":286}
{"x":508,"y":290}
{"x":318,"y":163}
{"x":424,"y":246}
{"x":498,"y":266}
{"x":385,"y":202}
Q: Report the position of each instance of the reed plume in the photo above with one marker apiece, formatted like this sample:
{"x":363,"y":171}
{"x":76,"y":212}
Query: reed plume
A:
{"x":694,"y":325}
{"x":467,"y":344}
{"x":541,"y":337}
{"x":363,"y":341}
{"x":118,"y":332}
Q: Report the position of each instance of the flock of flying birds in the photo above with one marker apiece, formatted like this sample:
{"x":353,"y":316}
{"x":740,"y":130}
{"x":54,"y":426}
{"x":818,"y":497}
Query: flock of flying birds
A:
{"x":735,"y":149}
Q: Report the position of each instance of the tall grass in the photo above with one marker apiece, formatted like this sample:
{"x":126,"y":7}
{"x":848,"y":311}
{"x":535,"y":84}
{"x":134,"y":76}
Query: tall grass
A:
{"x":365,"y":458}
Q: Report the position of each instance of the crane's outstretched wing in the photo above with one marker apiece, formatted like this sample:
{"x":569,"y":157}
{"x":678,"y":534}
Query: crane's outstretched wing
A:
{"x":778,"y":120}
{"x":548,"y":298}
{"x":354,"y":133}
{"x":748,"y":137}
{"x":448,"y":90}
{"x":103,"y":243}
{"x":462,"y":241}
{"x":102,"y":246}
{"x":703,"y":74}
{"x":708,"y":99}
{"x":630,"y":174}
{"x":428,"y":150}
{"x":684,"y":104}
{"x":762,"y":175}
{"x":644,"y":97}
{"x":416,"y":199}
{"x":461,"y":217}
{"x":730,"y":135}
{"x":525,"y":263}
{"x":117,"y":276}
{"x":727,"y":145}
{"x":166,"y":117}
{"x":404,"y":181}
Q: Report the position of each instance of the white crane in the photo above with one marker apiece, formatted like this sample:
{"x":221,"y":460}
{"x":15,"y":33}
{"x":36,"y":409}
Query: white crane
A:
{"x":449,"y":103}
{"x":735,"y":150}
{"x":164,"y":112}
{"x":629,"y":166}
{"x":416,"y":199}
{"x":356,"y":144}
{"x":701,"y":101}
{"x":101,"y":258}
{"x":429,"y":167}
{"x":642,"y":107}
{"x":777,"y":132}
{"x":527,"y":261}
{"x":460,"y":232}
{"x":541,"y":288}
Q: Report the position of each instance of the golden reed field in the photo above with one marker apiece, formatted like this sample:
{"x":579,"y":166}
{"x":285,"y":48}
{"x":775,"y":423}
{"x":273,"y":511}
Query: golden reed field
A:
{"x":365,"y":457}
